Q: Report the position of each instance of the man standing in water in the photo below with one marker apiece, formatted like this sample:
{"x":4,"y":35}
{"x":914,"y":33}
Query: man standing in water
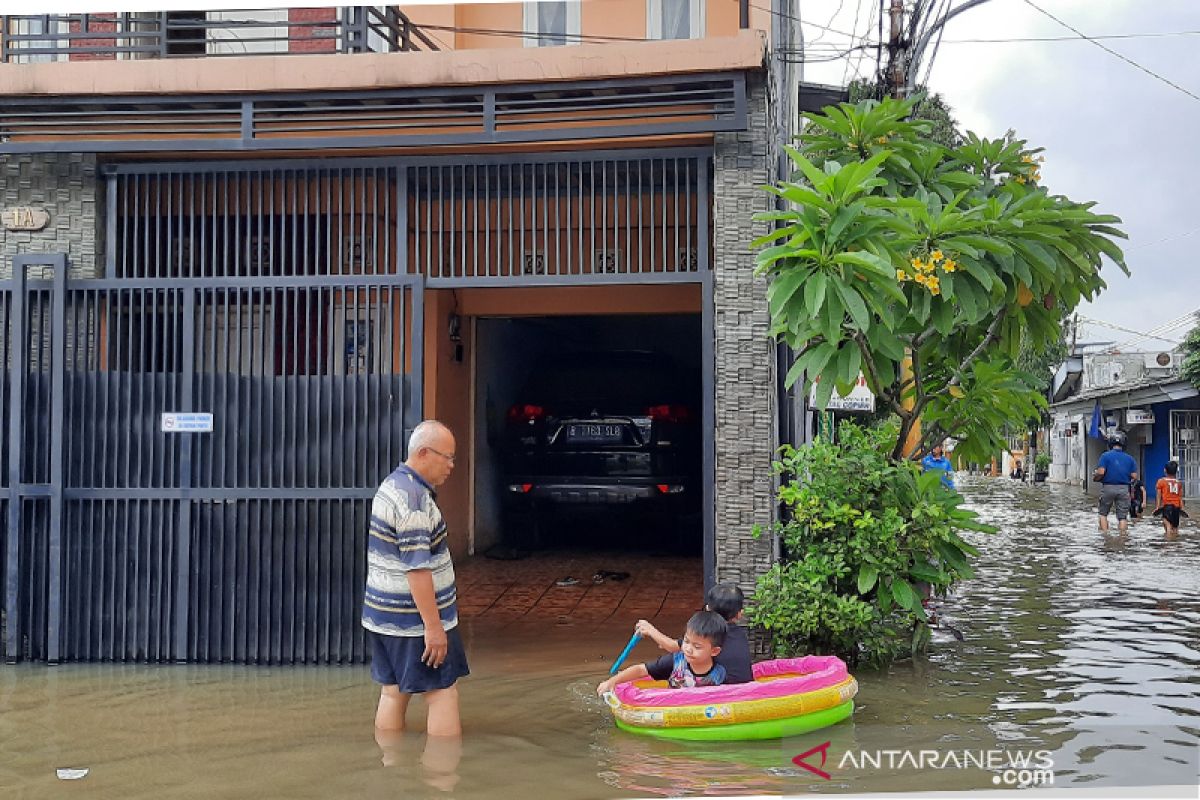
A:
{"x":1114,"y":471}
{"x":409,"y":605}
{"x":936,"y":459}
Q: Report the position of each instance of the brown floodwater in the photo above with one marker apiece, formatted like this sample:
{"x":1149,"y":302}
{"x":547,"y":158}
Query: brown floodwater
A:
{"x":1081,"y":645}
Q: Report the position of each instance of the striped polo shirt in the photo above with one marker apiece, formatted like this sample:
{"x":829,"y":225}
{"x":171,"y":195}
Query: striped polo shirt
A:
{"x":407,"y":532}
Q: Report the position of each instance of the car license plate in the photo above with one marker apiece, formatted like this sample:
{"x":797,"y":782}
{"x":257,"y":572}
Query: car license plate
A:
{"x":594,"y":432}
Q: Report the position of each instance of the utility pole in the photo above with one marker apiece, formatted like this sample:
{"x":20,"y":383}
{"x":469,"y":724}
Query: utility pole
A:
{"x":896,"y":50}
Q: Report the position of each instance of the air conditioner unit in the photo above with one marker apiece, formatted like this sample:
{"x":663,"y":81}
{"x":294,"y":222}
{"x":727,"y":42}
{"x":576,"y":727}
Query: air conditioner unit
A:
{"x":1163,"y":360}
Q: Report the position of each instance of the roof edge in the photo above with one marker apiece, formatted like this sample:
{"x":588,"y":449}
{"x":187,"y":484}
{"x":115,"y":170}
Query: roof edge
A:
{"x":265,"y":73}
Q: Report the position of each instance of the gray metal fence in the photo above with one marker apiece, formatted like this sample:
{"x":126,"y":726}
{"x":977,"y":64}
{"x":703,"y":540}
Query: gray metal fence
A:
{"x":286,"y":300}
{"x":31,"y":38}
{"x":127,"y":540}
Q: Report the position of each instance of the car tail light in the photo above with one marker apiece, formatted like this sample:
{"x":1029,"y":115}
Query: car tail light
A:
{"x":526,"y":412}
{"x":669,"y":413}
{"x":669,"y":488}
{"x":520,"y":488}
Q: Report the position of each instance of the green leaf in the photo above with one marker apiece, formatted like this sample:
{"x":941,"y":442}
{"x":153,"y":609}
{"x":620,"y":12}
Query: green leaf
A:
{"x":814,"y":292}
{"x":884,"y":597}
{"x":855,"y":305}
{"x":904,"y":594}
{"x":824,"y":391}
{"x":867,"y":261}
{"x":781,"y":290}
{"x":867,"y":576}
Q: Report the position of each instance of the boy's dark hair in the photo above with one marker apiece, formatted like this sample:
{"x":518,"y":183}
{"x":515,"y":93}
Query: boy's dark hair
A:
{"x":709,"y":625}
{"x":1172,"y":468}
{"x":726,"y":599}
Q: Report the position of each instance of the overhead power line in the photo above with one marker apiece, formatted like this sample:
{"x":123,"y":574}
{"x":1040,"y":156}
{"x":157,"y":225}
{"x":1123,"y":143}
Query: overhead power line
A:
{"x":1139,"y":334}
{"x":1184,"y":320}
{"x":1150,"y":35}
{"x":1110,"y":51}
{"x":1156,"y":242}
{"x":794,"y":18}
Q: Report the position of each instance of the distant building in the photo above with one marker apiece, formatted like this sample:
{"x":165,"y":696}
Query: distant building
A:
{"x":1141,"y":394}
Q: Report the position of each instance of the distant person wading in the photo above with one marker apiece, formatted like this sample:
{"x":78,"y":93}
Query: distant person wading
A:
{"x":1115,"y":470}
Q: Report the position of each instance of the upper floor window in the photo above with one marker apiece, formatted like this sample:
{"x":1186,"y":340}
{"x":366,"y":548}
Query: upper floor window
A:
{"x":551,"y":23}
{"x":674,"y":19}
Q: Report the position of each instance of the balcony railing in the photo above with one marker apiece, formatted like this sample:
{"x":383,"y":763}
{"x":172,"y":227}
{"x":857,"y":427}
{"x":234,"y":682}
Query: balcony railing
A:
{"x":190,"y":34}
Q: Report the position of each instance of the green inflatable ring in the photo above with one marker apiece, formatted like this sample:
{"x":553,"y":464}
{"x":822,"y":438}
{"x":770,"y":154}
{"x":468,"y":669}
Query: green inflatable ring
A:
{"x":763,"y":729}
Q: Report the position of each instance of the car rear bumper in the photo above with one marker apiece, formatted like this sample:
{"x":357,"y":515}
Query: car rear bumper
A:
{"x":557,"y":491}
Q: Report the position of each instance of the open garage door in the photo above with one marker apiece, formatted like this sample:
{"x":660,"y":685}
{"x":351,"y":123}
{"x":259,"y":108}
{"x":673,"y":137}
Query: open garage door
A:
{"x":588,"y":433}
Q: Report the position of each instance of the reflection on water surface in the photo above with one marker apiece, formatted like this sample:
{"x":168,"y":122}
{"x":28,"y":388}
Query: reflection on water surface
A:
{"x":1084,"y":645}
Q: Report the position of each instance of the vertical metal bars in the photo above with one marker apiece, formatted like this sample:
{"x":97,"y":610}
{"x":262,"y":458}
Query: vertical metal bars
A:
{"x":616,"y":216}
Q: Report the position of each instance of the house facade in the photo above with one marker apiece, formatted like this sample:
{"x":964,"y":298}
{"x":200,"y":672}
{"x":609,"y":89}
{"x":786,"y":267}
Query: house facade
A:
{"x":244,"y":252}
{"x":1140,"y":394}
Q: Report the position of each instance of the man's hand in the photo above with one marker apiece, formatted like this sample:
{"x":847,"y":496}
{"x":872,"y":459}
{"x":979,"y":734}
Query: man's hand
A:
{"x":605,"y":687}
{"x":436,"y":646}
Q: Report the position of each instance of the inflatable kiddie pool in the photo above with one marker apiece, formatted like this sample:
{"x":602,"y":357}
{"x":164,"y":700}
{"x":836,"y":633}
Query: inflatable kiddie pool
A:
{"x":788,"y":697}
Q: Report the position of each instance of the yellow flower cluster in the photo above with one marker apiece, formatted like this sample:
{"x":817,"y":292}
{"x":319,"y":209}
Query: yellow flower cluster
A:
{"x":925,"y":270}
{"x":1036,"y":169}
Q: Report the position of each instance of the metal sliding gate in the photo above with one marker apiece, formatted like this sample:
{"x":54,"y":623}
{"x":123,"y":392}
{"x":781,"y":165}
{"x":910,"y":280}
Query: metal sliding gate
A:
{"x":136,"y":532}
{"x":284,"y":299}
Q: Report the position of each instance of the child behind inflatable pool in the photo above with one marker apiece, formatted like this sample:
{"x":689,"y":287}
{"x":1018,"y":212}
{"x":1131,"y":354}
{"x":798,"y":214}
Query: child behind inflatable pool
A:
{"x":727,"y":600}
{"x":692,"y":666}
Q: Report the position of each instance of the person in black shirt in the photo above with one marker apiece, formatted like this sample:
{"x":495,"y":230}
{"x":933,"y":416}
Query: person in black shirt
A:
{"x":1137,"y":497}
{"x":727,"y":600}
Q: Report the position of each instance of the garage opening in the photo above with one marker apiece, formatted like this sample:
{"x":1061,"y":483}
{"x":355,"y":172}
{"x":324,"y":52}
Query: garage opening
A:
{"x":587,"y":433}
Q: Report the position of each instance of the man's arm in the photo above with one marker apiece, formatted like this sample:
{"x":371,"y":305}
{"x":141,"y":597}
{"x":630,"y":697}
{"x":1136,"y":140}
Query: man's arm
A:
{"x":420,"y":582}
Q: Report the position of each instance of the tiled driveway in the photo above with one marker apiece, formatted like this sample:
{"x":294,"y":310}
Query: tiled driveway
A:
{"x":525,"y":589}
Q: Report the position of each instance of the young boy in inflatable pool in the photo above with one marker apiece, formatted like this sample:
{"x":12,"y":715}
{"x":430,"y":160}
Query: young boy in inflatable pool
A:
{"x":727,"y":600}
{"x":692,"y":666}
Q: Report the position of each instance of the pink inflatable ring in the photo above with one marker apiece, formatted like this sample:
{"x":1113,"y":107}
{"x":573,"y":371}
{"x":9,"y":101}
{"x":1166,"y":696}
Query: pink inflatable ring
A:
{"x":778,"y":678}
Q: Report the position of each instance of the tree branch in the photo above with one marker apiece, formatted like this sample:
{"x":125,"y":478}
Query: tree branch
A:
{"x":872,"y":376}
{"x":993,"y":333}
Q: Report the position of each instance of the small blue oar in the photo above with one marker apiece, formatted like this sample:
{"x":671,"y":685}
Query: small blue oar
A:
{"x":624,"y":653}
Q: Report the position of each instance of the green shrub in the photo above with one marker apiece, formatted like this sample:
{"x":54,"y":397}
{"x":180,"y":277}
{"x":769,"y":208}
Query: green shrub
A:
{"x":1041,"y":463}
{"x":861,"y":534}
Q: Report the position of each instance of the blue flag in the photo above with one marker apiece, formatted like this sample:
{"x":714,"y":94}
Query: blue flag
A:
{"x":1096,"y":431}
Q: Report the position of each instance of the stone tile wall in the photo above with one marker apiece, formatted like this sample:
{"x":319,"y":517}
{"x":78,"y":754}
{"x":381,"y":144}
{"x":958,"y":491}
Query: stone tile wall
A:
{"x":746,"y":403}
{"x":68,"y":187}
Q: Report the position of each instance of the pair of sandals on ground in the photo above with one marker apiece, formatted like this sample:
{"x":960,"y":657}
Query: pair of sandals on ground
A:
{"x":600,"y":577}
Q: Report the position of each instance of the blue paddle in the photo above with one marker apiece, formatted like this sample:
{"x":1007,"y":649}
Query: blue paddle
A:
{"x":624,"y":653}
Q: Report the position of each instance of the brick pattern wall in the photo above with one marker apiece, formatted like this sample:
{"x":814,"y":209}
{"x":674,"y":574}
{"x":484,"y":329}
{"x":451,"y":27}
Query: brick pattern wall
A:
{"x":300,"y":39}
{"x":746,"y":403}
{"x":68,"y":187}
{"x":96,"y":23}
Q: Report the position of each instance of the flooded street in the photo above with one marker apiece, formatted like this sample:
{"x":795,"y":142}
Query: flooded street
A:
{"x":1082,"y":645}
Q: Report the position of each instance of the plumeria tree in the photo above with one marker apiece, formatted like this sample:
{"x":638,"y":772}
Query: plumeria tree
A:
{"x":923,"y":268}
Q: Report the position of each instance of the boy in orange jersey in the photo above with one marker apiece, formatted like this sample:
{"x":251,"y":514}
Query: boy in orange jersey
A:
{"x":1169,"y":490}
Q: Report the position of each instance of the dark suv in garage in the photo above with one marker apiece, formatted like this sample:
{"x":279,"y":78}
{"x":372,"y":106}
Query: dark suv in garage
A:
{"x":598,"y":430}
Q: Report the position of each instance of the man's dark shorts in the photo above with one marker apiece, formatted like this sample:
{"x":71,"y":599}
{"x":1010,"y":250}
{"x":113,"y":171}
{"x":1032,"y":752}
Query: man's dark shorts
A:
{"x":1171,"y":514}
{"x":396,"y":661}
{"x":1114,"y":494}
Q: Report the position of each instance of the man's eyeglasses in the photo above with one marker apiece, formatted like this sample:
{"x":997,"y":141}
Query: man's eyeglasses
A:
{"x":448,"y":456}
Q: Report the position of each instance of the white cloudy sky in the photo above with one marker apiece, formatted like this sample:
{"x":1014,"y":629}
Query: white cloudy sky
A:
{"x":1112,"y":133}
